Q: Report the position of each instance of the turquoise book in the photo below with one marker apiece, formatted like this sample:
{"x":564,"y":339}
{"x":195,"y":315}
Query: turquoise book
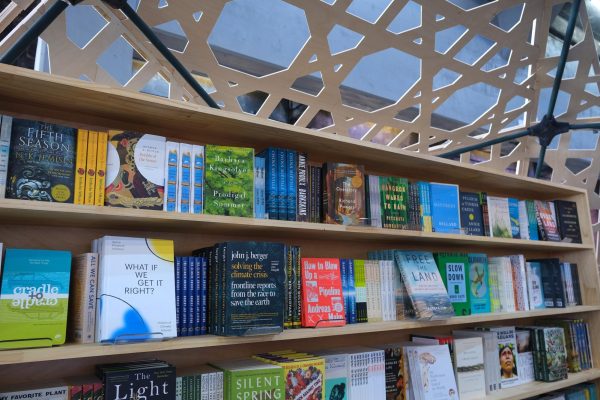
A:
{"x":34,"y":298}
{"x":513,"y":212}
{"x":424,"y":284}
{"x":445,"y":209}
{"x":479,"y":282}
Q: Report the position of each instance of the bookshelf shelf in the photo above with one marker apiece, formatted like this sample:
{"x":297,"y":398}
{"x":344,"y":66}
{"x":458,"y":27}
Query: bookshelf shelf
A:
{"x":52,"y":214}
{"x":74,"y":351}
{"x":62,"y":226}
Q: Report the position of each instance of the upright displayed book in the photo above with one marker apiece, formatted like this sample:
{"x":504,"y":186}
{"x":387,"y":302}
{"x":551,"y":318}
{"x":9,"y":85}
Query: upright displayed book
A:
{"x":344,"y":194}
{"x":337,"y":386}
{"x":431,"y":368}
{"x":547,"y":223}
{"x":424,"y":284}
{"x":479,"y":286}
{"x":454,"y":269}
{"x":445,"y":207}
{"x":136,"y":289}
{"x":50,"y":393}
{"x":507,"y":356}
{"x":568,"y":221}
{"x":393,"y":193}
{"x":322,"y":297}
{"x":229,"y":181}
{"x":41,"y":162}
{"x":247,"y":379}
{"x":34,"y":298}
{"x":138,"y":379}
{"x":135,"y":170}
{"x":499,"y":216}
{"x":471,"y":215}
{"x":469,"y":368}
{"x":525,"y":351}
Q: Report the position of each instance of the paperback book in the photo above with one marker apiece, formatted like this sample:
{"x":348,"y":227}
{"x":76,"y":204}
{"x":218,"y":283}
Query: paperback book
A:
{"x":471,"y":215}
{"x":445,"y":209}
{"x":322,"y":298}
{"x":479,"y":289}
{"x":344,"y":194}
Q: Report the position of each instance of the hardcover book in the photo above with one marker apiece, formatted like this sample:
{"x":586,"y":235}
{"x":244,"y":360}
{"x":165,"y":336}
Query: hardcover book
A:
{"x":394,"y":202}
{"x":499,"y":214}
{"x":80,"y":166}
{"x":454,"y":269}
{"x":252,"y":379}
{"x":135,"y":170}
{"x":479,"y":289}
{"x":547,"y":221}
{"x":34,"y":298}
{"x":41,"y":162}
{"x":424,"y":285}
{"x":471,"y":216}
{"x":336,"y":372}
{"x":469,"y":368}
{"x":532,"y":219}
{"x":138,"y":380}
{"x":508,"y":356}
{"x":433,"y":371}
{"x":136,"y":289}
{"x":445,"y":209}
{"x":99,"y":190}
{"x":302,"y":204}
{"x":229,"y":180}
{"x":554,"y":354}
{"x":322,"y":298}
{"x":568,"y":221}
{"x":90,"y":170}
{"x":344,"y":194}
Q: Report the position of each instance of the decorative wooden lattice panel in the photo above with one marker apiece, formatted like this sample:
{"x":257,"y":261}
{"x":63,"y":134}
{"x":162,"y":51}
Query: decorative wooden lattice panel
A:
{"x":427,"y":76}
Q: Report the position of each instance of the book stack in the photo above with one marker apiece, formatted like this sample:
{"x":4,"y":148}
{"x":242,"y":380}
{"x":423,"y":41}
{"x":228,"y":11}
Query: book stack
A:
{"x":191,"y":288}
{"x":203,"y":382}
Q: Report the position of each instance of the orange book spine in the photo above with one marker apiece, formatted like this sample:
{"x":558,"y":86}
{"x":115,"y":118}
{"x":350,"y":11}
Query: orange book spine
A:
{"x":80,"y":166}
{"x":90,"y":176}
{"x":101,"y":168}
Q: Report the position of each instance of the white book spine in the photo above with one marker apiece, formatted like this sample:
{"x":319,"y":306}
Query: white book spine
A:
{"x":375,"y":201}
{"x":383,"y":291}
{"x":5,"y":129}
{"x":171,"y":176}
{"x":197,"y":202}
{"x":523,"y":220}
{"x":184,"y":181}
{"x":510,"y":285}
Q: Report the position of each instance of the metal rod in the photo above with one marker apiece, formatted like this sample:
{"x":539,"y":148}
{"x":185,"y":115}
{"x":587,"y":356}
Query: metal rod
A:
{"x":166,"y":53}
{"x":560,"y":69}
{"x":477,"y":146}
{"x":34,"y":32}
{"x":540,"y":163}
{"x":585,"y":126}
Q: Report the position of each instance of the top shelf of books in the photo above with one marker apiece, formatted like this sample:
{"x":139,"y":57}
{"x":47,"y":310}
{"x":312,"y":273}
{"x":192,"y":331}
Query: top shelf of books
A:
{"x":38,"y":95}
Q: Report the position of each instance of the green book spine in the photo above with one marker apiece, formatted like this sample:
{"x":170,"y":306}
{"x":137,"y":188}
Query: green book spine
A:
{"x":394,"y":202}
{"x":454,"y":269}
{"x":229,"y":181}
{"x":360,"y":285}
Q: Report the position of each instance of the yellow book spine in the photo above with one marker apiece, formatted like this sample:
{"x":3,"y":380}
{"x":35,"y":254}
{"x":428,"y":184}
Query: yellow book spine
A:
{"x":80,"y":166}
{"x":90,"y":176}
{"x":101,"y":168}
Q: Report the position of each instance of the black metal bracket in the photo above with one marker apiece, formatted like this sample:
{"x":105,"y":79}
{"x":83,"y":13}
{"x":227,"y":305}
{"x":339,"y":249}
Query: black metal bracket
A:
{"x":547,"y":129}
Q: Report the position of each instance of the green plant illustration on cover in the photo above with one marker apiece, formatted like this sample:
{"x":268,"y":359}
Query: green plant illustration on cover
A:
{"x":229,"y":181}
{"x":556,"y":355}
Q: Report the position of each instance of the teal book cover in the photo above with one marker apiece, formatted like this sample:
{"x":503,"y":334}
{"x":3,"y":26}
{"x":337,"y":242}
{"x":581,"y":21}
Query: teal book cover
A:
{"x":229,"y":181}
{"x":513,"y":212}
{"x":479,"y":284}
{"x":445,"y":210}
{"x":424,"y":284}
{"x":34,"y":298}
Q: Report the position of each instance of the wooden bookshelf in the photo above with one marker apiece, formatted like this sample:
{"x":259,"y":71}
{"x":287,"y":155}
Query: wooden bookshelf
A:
{"x":62,"y":226}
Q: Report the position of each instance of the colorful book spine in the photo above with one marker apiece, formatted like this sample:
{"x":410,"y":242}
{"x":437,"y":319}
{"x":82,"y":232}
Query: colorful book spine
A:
{"x":90,"y":176}
{"x":425,"y":206}
{"x":532,"y":219}
{"x":485,"y":213}
{"x":523,"y":220}
{"x":99,"y":192}
{"x":5,"y":130}
{"x":178,"y":292}
{"x":344,"y":276}
{"x":375,"y":201}
{"x":82,"y":305}
{"x":282,"y":181}
{"x":351,"y":292}
{"x":184,"y":178}
{"x":171,"y":176}
{"x":513,"y":212}
{"x":198,"y":179}
{"x":302,"y":192}
{"x":289,"y":288}
{"x":271,"y":186}
{"x":203,"y":296}
{"x":445,"y":208}
{"x":80,"y":166}
{"x":291,"y":158}
{"x":394,"y":202}
{"x":479,"y":286}
{"x":360,"y":286}
{"x":259,"y":187}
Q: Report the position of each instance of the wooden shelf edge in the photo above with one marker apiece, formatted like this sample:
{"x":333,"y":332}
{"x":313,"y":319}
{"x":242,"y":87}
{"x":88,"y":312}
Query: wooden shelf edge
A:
{"x":537,"y":388}
{"x":15,"y":211}
{"x":77,"y":351}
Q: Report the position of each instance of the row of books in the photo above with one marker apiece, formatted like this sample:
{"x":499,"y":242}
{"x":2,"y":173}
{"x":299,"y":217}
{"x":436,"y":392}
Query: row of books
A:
{"x":584,"y":391}
{"x":130,"y":289}
{"x":467,"y":365}
{"x":130,"y":169}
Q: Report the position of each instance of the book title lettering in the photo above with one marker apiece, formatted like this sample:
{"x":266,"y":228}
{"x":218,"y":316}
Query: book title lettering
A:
{"x":145,"y":283}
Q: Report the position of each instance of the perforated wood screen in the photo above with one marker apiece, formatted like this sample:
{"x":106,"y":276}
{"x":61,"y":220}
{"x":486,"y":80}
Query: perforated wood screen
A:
{"x":424,"y":75}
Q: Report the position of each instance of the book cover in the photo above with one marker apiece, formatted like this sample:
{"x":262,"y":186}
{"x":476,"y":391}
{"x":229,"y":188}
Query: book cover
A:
{"x":34,"y":298}
{"x":424,"y":284}
{"x":136,"y":290}
{"x":523,"y":220}
{"x":171,"y":176}
{"x":90,"y":168}
{"x":547,"y":220}
{"x":255,"y":279}
{"x":133,"y":381}
{"x":513,"y":211}
{"x":304,"y":378}
{"x":568,"y":221}
{"x":525,"y":357}
{"x":555,"y":354}
{"x":532,"y":219}
{"x":425,"y":206}
{"x":82,"y":302}
{"x":393,"y":192}
{"x":499,"y":215}
{"x":471,"y":216}
{"x":344,"y":194}
{"x":99,"y":193}
{"x":41,"y":162}
{"x":302,"y":194}
{"x":445,"y":209}
{"x":395,"y":379}
{"x":535,"y":289}
{"x":454,"y":269}
{"x":229,"y":180}
{"x":507,"y":356}
{"x":469,"y":368}
{"x":435,"y":372}
{"x":322,"y":298}
{"x":184,"y":178}
{"x":259,"y":188}
{"x":5,"y":131}
{"x":479,"y":289}
{"x":135,"y":170}
{"x":52,"y":393}
{"x":80,"y":166}
{"x":197,"y":202}
{"x":336,"y":371}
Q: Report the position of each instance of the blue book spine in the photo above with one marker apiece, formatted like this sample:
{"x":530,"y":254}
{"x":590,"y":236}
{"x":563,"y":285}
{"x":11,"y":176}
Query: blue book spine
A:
{"x":344,"y":276}
{"x":445,"y":209}
{"x":259,"y":187}
{"x":185,"y":183}
{"x":292,"y":183}
{"x":513,"y":211}
{"x":203,"y":296}
{"x":192,"y":295}
{"x":352,"y":292}
{"x":425,"y":206}
{"x":531,"y":217}
{"x":178,"y":294}
{"x":198,"y":180}
{"x":197,"y":294}
{"x":282,"y":178}
{"x":184,"y":295}
{"x":271,"y":183}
